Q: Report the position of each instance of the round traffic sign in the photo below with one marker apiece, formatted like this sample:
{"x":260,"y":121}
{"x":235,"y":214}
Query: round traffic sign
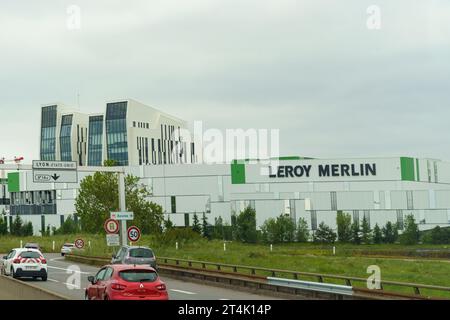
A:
{"x":79,"y":243}
{"x":134,"y":234}
{"x":111,"y":226}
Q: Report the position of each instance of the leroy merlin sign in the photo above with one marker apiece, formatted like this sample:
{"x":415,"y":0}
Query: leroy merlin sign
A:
{"x":322,"y":170}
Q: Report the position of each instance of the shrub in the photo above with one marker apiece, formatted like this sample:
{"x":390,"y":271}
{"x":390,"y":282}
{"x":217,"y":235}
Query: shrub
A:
{"x":246,"y":226}
{"x":324,"y":234}
{"x":343,"y":222}
{"x":302,"y":231}
{"x":411,"y":234}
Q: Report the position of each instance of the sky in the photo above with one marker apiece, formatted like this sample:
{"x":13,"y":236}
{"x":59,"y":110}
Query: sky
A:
{"x":320,"y":71}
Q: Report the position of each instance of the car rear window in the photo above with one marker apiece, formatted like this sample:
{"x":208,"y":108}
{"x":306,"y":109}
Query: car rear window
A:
{"x":30,"y":254}
{"x":68,"y":245}
{"x":141,"y":253}
{"x":138,"y":276}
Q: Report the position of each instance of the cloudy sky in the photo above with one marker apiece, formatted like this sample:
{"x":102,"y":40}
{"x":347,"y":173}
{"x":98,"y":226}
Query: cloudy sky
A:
{"x":313,"y":69}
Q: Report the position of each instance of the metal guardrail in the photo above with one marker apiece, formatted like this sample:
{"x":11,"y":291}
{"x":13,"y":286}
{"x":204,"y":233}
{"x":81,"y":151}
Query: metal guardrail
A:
{"x":308,"y":285}
{"x":296,"y":275}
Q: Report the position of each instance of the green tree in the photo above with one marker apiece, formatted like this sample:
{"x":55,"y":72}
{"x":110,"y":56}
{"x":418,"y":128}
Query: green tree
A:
{"x":344,"y":222}
{"x":16,"y":227}
{"x":206,"y":231}
{"x":218,"y":231}
{"x":324,"y":234}
{"x":168,"y":224}
{"x":302,"y":230}
{"x":390,"y":232}
{"x":438,"y":235}
{"x":377,"y":235}
{"x":3,"y":225}
{"x":411,"y":233}
{"x":366,"y":232}
{"x":68,"y":227}
{"x":98,"y":197}
{"x":27,"y":229}
{"x":196,"y":224}
{"x":269,"y":231}
{"x":246,"y":226}
{"x":356,"y":232}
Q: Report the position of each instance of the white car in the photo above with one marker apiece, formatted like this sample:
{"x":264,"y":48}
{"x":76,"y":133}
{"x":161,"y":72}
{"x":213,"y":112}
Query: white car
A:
{"x":67,"y":248}
{"x":22,"y":262}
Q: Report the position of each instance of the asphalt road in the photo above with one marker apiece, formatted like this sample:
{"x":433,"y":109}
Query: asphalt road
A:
{"x":64,"y":277}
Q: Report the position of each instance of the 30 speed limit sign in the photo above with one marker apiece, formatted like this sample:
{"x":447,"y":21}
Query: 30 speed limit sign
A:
{"x":111,"y":226}
{"x":134,"y":234}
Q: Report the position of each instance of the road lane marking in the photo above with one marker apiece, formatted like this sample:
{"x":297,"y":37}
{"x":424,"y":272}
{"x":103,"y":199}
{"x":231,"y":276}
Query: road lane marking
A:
{"x":184,"y":292}
{"x":51,"y":280}
{"x":66,"y":269}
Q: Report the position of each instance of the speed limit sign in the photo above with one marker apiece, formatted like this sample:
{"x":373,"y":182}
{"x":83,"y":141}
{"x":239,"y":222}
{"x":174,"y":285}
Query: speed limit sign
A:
{"x":134,"y":234}
{"x":111,"y":226}
{"x":79,"y":243}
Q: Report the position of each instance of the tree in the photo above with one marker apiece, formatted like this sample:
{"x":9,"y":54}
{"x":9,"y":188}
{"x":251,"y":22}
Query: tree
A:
{"x":377,"y":235}
{"x":390,"y":232}
{"x":16,"y":227}
{"x":324,"y":234}
{"x":168,"y":224}
{"x":366,"y":232}
{"x":356,"y":232}
{"x":246,"y":226}
{"x":438,"y":235}
{"x":269,"y":231}
{"x":411,"y":233}
{"x":206,"y":233}
{"x":344,"y":221}
{"x":196,"y":224}
{"x":98,"y":197}
{"x":70,"y":226}
{"x":218,"y":232}
{"x":302,"y":231}
{"x":3,"y":225}
{"x":27,"y":229}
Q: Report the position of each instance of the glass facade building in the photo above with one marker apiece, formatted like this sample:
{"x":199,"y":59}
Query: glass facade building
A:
{"x":48,"y":133}
{"x":95,"y":141}
{"x":65,"y":138}
{"x":116,"y":132}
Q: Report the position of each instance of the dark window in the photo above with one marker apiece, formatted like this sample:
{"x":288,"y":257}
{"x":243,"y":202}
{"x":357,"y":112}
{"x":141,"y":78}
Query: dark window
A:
{"x":95,"y":141}
{"x":138,"y":276}
{"x":66,"y":138}
{"x":48,"y":133}
{"x":116,"y":132}
{"x":141,"y":253}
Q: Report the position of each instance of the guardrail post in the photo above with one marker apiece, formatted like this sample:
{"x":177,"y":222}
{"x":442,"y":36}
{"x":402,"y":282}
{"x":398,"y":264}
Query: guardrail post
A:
{"x":296,"y":276}
{"x":348,"y":282}
{"x":190,"y":263}
{"x":320,"y":278}
{"x":177,"y":262}
{"x":253,"y":271}
{"x":234,"y":269}
{"x":204,"y":265}
{"x":218,"y":267}
{"x":416,"y":291}
{"x":273,"y":274}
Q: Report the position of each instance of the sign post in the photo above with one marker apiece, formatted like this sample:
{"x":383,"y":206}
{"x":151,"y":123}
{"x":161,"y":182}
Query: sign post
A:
{"x":123,"y":208}
{"x":55,"y":171}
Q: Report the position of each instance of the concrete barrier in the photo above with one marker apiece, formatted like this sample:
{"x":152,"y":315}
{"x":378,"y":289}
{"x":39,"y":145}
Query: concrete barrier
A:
{"x":12,"y":289}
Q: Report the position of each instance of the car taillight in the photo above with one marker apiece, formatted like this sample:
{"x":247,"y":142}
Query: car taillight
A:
{"x":16,"y":261}
{"x":161,"y":287}
{"x":118,"y":287}
{"x":43,"y":261}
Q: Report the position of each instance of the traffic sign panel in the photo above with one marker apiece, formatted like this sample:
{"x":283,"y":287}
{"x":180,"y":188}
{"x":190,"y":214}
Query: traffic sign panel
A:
{"x":55,"y":171}
{"x":134,"y":234}
{"x":79,"y":243}
{"x":122,"y":215}
{"x":111,"y":226}
{"x":113,"y":240}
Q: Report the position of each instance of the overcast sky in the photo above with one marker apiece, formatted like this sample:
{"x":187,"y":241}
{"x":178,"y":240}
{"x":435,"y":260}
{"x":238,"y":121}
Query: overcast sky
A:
{"x":312,"y":69}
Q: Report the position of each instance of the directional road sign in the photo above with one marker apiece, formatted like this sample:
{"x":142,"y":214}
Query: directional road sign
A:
{"x":55,"y":171}
{"x":134,"y":234}
{"x":122,"y":215}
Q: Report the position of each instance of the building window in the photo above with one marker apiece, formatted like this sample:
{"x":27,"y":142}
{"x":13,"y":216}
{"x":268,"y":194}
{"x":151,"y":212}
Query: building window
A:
{"x":116,"y":132}
{"x":95,"y":141}
{"x":66,"y":138}
{"x":400,"y":219}
{"x":333,"y":200}
{"x":48,"y":133}
{"x":173,"y":202}
{"x":313,"y":220}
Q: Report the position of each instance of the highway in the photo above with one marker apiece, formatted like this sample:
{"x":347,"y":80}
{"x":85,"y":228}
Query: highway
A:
{"x":61,"y":280}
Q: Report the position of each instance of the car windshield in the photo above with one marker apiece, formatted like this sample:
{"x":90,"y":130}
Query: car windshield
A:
{"x":138,"y":276}
{"x":31,"y":245}
{"x":68,"y":245}
{"x":141,"y":253}
{"x":30,"y":254}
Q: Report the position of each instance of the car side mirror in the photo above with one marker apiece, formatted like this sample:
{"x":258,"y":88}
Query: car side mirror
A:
{"x":113,"y":256}
{"x":91,"y":279}
{"x":5,"y":257}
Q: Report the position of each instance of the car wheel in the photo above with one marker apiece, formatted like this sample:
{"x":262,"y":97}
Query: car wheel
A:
{"x":106,"y":298}
{"x":62,"y":254}
{"x":44,"y":278}
{"x":86,"y":296}
{"x":13,"y":274}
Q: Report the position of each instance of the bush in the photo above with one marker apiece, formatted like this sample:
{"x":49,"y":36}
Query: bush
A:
{"x":390,"y":233}
{"x":70,"y":226}
{"x":437,"y":235}
{"x":343,"y":222}
{"x":181,"y":235}
{"x":411,"y":234}
{"x":245,"y":224}
{"x":277,"y":231}
{"x":324,"y":234}
{"x":302,"y":231}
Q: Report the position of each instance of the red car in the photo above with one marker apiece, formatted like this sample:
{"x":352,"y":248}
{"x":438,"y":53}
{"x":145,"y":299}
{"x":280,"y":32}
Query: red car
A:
{"x":126,"y":282}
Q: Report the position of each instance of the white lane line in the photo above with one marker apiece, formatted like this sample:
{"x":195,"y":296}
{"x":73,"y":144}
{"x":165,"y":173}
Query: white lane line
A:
{"x":66,"y":269}
{"x":72,"y":285}
{"x":224,"y":299}
{"x":52,"y":280}
{"x":184,"y":292}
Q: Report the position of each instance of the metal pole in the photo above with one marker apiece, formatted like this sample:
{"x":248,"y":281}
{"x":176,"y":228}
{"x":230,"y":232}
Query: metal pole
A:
{"x":123,"y":208}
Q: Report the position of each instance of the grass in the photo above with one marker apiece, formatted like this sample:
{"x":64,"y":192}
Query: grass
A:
{"x":349,"y":260}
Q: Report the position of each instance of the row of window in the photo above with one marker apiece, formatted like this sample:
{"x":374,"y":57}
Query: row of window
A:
{"x":142,"y":125}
